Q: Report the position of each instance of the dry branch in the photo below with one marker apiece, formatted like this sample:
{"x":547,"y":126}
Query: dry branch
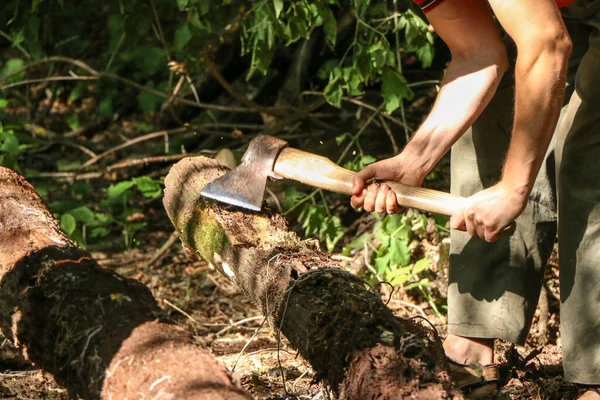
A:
{"x":333,"y":318}
{"x":99,"y":334}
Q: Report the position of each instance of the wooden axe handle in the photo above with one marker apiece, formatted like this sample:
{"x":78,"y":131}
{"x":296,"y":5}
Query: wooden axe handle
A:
{"x":321,"y":172}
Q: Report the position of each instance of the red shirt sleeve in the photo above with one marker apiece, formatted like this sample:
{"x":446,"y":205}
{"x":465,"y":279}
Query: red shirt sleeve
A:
{"x":428,"y":5}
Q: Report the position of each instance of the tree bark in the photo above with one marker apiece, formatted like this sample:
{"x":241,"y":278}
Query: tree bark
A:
{"x":338,"y":323}
{"x":99,"y":334}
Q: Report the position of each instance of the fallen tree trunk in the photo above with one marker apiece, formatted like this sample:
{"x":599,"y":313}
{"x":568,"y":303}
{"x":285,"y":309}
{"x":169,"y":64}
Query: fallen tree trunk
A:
{"x":99,"y":334}
{"x":333,"y":318}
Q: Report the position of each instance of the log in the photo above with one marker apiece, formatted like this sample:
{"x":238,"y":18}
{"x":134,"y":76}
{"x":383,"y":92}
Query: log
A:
{"x":334,"y":319}
{"x":101,"y":335}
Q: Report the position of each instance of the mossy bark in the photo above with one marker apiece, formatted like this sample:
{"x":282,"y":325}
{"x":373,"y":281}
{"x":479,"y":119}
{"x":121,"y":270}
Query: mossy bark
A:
{"x":99,"y":334}
{"x":334,"y":319}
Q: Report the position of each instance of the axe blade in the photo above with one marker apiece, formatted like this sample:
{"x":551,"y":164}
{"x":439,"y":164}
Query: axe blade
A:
{"x":245,"y":185}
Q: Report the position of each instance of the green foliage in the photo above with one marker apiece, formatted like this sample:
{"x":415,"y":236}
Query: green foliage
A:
{"x":10,"y":148}
{"x":114,"y":214}
{"x":391,"y":237}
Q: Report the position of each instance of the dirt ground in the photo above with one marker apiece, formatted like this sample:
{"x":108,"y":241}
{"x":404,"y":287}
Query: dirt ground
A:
{"x":223,"y":320}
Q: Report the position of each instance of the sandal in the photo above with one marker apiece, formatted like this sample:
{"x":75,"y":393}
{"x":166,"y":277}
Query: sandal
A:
{"x":476,"y":380}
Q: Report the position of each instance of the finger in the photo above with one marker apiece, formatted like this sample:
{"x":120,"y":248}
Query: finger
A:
{"x":391,"y":203}
{"x":358,"y":184}
{"x":470,"y":223}
{"x":380,"y":200}
{"x":370,"y":197}
{"x":491,"y":235}
{"x":357,"y":201}
{"x":457,"y":221}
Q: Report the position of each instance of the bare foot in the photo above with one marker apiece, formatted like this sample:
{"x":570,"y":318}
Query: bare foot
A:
{"x":592,"y":394}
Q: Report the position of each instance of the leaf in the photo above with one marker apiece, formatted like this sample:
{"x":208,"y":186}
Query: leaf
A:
{"x":204,"y":7}
{"x":420,"y":266}
{"x":182,"y":4}
{"x":105,"y":108}
{"x":68,"y":224}
{"x":83,"y":214}
{"x":4,"y":103}
{"x":116,"y":28}
{"x":11,"y":66}
{"x":10,"y":143}
{"x":292,"y":197}
{"x":182,"y":36}
{"x":425,"y":54}
{"x":81,"y":189}
{"x":34,"y":5}
{"x":326,"y":68}
{"x":329,"y":24}
{"x":333,"y":92}
{"x":394,"y":89}
{"x":278,"y":5}
{"x":117,"y":189}
{"x":341,"y":138}
{"x":297,"y":29}
{"x":149,"y":60}
{"x":73,"y":121}
{"x":148,"y":101}
{"x":68,"y":164}
{"x":99,"y":231}
{"x":148,"y":187}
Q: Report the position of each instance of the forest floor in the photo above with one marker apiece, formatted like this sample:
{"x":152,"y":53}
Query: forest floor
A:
{"x":223,"y":320}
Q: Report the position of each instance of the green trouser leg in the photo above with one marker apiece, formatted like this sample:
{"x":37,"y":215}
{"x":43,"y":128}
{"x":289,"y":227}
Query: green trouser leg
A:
{"x":579,"y":223}
{"x":494,"y":288}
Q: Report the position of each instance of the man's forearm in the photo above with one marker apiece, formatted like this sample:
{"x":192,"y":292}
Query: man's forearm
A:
{"x":540,"y":86}
{"x":468,"y":86}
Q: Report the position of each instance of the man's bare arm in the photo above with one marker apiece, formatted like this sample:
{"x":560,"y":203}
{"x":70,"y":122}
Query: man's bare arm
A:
{"x":543,"y":47}
{"x":478,"y":62}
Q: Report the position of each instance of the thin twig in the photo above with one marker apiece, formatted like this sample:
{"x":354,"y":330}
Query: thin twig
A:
{"x":368,"y":264}
{"x":115,"y":51}
{"x":163,"y":249}
{"x":167,"y":302}
{"x":160,"y":31}
{"x":18,"y":46}
{"x":48,"y":79}
{"x":240,"y":322}
{"x":217,"y":75}
{"x":407,"y":304}
{"x":192,"y":88}
{"x":424,"y":83}
{"x":129,"y":82}
{"x":360,"y":132}
{"x":399,"y":61}
{"x":361,"y":104}
{"x":148,"y":160}
{"x":387,"y":130}
{"x":69,"y":176}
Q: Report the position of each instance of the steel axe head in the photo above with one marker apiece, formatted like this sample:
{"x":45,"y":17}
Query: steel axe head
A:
{"x":245,"y":185}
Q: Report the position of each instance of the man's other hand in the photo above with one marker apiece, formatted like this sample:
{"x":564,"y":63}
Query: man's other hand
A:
{"x":488,"y":212}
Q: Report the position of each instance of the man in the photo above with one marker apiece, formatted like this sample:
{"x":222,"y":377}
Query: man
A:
{"x":505,"y":163}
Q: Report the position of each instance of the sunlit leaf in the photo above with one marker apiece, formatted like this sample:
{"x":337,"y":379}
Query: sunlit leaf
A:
{"x":68,"y":223}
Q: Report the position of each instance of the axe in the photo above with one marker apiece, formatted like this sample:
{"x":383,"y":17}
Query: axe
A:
{"x":268,"y":156}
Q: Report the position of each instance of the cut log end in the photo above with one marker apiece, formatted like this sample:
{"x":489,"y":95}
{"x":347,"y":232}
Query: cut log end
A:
{"x":96,"y":332}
